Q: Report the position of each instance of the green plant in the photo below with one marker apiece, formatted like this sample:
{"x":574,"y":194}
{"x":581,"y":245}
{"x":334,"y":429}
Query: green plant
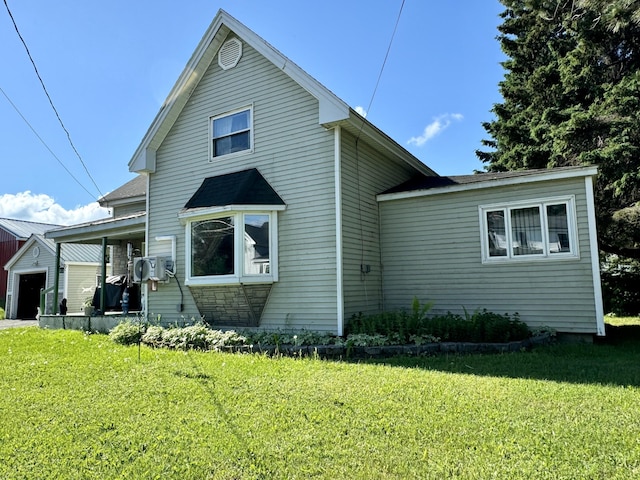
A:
{"x":2,"y":314}
{"x":127,"y":333}
{"x":401,"y":327}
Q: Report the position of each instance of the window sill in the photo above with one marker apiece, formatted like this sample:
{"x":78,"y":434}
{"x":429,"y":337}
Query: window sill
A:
{"x":565,"y":257}
{"x":229,"y":280}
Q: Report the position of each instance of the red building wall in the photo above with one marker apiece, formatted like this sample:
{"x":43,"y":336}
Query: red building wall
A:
{"x":9,"y":245}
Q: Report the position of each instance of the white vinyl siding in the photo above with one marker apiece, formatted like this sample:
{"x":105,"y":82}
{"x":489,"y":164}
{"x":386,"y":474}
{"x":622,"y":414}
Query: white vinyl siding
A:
{"x":363,"y":177}
{"x":432,"y":250}
{"x":80,"y":283}
{"x":298,"y":165}
{"x":128,"y":209}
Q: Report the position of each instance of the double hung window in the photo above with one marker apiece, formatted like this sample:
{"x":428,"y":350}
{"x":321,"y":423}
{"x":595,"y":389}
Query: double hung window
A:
{"x":231,"y":132}
{"x":529,"y":231}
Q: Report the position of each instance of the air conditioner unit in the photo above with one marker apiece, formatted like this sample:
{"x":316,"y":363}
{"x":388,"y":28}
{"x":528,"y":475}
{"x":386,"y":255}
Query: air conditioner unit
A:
{"x":149,"y":268}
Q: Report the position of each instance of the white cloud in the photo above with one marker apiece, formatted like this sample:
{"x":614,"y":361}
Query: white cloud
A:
{"x":438,"y":124}
{"x":361,"y":111}
{"x":42,"y":208}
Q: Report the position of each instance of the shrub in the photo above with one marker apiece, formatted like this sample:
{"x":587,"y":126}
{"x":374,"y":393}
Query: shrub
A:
{"x":2,"y":314}
{"x":127,"y":333}
{"x":417,"y":327}
{"x":620,"y":285}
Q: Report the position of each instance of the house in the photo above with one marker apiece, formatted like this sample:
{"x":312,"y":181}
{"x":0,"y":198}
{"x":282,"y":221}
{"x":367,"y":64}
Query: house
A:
{"x":13,"y":235}
{"x":270,"y":203}
{"x":33,"y":268}
{"x":119,"y":237}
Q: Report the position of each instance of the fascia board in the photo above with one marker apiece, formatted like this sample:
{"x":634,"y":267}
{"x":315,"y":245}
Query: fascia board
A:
{"x":27,"y":245}
{"x":206,"y":212}
{"x":542,"y":177}
{"x":92,"y":231}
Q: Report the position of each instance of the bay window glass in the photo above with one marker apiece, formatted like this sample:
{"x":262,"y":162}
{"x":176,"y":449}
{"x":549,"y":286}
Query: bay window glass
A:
{"x":256,"y":244}
{"x":212,"y":247}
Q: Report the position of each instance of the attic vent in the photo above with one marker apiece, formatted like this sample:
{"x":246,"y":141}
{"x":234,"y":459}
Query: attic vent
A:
{"x":230,"y":53}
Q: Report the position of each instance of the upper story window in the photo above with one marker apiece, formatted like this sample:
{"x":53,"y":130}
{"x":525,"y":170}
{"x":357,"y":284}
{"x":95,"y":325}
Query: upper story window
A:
{"x":529,"y":231}
{"x":231,"y":132}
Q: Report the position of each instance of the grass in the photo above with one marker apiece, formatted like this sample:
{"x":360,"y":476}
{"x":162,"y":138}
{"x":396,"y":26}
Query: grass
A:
{"x":79,"y":406}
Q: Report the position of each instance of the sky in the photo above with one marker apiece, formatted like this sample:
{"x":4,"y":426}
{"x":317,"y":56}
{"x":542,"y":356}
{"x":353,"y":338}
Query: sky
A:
{"x":108,"y":67}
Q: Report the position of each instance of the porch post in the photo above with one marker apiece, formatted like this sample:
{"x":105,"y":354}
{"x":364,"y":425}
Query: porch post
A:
{"x":56,"y":280}
{"x":103,"y":276}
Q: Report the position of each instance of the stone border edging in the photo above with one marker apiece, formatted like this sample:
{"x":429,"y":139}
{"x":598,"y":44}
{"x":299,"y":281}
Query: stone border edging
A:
{"x":387,"y":351}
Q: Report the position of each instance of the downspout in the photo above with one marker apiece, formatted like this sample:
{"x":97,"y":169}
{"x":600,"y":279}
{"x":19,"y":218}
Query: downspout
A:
{"x":56,"y":279}
{"x":595,"y":256}
{"x":103,"y":276}
{"x":338,"y":199}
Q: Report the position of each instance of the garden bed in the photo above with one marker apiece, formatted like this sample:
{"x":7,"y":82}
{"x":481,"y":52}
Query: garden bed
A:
{"x":387,"y":351}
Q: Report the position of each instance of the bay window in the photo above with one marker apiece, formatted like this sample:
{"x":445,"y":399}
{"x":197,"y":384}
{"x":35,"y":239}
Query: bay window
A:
{"x":231,"y":247}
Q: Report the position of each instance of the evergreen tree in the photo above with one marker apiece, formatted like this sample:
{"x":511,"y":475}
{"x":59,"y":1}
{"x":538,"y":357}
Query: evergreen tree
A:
{"x":571,"y":95}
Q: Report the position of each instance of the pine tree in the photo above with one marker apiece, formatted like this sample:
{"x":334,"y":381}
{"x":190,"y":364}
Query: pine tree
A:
{"x":571,"y":95}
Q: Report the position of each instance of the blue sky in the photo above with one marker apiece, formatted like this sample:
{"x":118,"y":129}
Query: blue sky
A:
{"x":108,"y":66}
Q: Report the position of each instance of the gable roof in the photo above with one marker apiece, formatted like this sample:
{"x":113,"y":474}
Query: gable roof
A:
{"x":22,"y":229}
{"x":422,"y":186}
{"x":332,"y":110}
{"x":133,"y":191}
{"x":247,"y":187}
{"x":68,"y":252}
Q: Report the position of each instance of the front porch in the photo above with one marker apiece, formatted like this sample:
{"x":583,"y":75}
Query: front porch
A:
{"x":85,"y":323}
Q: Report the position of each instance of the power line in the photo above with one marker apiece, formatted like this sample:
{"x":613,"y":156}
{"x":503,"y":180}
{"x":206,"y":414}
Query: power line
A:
{"x":384,"y":62}
{"x":44,"y":143}
{"x":15,"y":26}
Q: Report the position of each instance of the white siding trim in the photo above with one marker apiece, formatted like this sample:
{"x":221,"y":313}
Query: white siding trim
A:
{"x":144,"y":291}
{"x":595,"y":256}
{"x":542,"y":177}
{"x":338,"y":199}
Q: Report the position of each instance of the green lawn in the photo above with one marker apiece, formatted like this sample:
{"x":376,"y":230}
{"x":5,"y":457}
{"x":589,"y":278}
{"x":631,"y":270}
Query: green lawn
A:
{"x":77,"y":406}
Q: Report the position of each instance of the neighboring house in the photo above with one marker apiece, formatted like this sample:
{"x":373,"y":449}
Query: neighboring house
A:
{"x":14,"y":234}
{"x":121,"y":236}
{"x":278,"y":206}
{"x":33,"y":268}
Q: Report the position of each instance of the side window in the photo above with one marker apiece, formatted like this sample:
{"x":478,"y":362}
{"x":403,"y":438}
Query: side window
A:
{"x":542,"y":230}
{"x":231,"y":133}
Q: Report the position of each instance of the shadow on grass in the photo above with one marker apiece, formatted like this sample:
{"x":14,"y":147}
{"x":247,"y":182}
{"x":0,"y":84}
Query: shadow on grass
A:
{"x":612,"y":360}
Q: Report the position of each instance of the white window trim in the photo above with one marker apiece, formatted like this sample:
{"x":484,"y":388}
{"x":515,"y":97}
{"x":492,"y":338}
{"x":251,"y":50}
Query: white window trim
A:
{"x":213,"y":158}
{"x":239,"y":277}
{"x":572,"y":254}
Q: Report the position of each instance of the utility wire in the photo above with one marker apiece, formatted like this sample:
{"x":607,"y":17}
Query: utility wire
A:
{"x":363,"y":268}
{"x":375,"y":89}
{"x":43,"y":142}
{"x":15,"y":26}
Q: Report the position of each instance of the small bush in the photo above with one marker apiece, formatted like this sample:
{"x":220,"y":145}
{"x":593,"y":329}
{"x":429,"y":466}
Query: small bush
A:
{"x":2,"y":314}
{"x":127,"y":333}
